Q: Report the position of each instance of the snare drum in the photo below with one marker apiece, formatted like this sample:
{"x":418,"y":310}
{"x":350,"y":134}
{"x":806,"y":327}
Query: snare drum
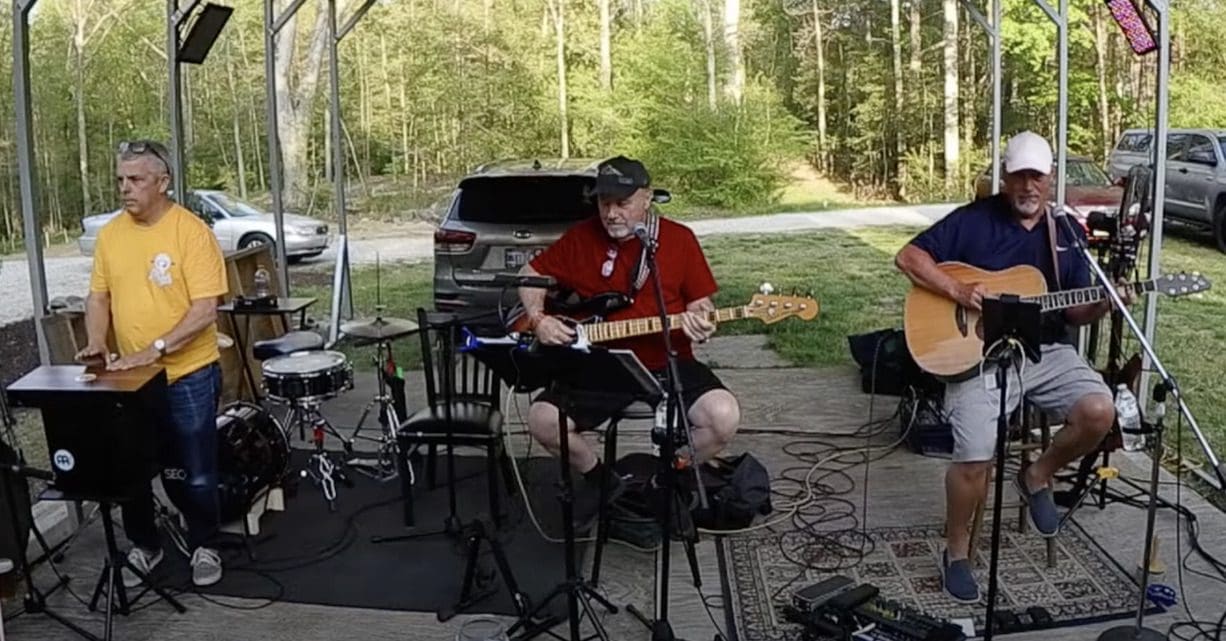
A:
{"x":252,"y":454}
{"x":316,"y":374}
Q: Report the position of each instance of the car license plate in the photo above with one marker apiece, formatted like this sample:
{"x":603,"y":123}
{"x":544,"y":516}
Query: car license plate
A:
{"x":517,"y":258}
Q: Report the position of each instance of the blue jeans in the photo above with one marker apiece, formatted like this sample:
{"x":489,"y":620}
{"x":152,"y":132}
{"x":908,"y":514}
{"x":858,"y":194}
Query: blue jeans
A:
{"x":187,"y":448}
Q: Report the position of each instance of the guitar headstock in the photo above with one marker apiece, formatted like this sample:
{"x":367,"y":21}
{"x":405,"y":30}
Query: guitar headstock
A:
{"x":770,"y":308}
{"x":1181,"y":283}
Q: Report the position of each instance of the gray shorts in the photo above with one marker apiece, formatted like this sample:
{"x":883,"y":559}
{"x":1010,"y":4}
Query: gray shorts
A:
{"x":1054,"y":384}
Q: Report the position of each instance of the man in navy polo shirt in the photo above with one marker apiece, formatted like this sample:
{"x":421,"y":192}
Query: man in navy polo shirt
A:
{"x":1007,"y":230}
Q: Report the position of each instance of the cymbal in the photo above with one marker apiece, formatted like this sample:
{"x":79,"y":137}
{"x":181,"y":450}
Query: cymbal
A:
{"x":378,"y":327}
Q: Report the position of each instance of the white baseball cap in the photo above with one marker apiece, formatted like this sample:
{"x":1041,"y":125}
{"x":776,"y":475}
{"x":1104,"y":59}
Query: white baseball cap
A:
{"x":1028,"y":150}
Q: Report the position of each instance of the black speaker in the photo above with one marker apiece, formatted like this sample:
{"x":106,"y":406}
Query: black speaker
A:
{"x":204,"y":32}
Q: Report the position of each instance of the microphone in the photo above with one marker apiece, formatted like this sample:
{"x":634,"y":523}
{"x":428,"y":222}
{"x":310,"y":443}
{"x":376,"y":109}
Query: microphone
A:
{"x":644,"y":236}
{"x":517,"y":280}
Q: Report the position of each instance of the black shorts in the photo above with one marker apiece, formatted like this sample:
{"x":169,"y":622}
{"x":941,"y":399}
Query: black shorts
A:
{"x":696,"y":379}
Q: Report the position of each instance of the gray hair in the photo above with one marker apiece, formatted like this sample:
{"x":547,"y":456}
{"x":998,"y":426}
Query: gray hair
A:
{"x":131,"y":150}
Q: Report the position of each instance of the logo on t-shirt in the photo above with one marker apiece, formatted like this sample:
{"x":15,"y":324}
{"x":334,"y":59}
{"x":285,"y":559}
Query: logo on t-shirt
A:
{"x":160,"y":271}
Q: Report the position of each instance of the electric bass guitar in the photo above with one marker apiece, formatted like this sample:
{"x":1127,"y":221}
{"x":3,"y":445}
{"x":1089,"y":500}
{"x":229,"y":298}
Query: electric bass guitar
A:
{"x":946,"y":339}
{"x":768,"y":308}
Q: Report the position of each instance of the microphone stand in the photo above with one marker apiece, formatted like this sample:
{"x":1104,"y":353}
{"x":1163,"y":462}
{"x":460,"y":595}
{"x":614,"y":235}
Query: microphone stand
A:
{"x":661,"y":629}
{"x":1137,"y":631}
{"x":1167,"y":379}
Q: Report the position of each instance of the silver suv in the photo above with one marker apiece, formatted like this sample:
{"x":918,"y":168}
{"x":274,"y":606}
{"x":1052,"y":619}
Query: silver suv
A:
{"x":1195,"y":174}
{"x":500,"y":217}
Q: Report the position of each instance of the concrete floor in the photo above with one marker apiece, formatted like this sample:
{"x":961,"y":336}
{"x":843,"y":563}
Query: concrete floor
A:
{"x":903,"y":489}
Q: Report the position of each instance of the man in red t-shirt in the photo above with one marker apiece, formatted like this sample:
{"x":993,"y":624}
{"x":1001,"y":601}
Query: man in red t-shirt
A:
{"x":602,"y":254}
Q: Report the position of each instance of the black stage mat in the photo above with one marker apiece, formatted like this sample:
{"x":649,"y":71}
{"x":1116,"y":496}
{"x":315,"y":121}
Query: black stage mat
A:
{"x":308,"y":555}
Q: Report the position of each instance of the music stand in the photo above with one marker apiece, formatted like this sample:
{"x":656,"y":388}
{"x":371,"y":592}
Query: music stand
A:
{"x":592,"y":376}
{"x":1011,"y":331}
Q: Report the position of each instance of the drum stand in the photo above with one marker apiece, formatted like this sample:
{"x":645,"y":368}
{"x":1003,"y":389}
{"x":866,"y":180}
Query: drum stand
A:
{"x":321,"y":469}
{"x":382,"y":467}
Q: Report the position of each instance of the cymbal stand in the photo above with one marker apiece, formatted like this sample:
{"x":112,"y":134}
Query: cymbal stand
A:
{"x":383,"y":467}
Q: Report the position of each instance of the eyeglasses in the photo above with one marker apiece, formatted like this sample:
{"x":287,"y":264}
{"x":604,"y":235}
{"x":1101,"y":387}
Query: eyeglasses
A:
{"x":606,"y":269}
{"x":142,"y":147}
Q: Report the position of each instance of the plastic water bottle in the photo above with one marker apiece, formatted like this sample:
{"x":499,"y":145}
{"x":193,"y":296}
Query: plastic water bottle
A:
{"x":261,"y":282}
{"x":1129,"y":417}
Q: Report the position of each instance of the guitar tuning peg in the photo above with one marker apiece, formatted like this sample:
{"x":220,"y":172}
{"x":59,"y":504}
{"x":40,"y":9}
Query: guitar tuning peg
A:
{"x":809,"y":293}
{"x":766,"y":289}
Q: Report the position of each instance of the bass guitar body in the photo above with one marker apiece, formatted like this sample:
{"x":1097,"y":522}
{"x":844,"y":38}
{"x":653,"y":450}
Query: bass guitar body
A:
{"x":945,"y":338}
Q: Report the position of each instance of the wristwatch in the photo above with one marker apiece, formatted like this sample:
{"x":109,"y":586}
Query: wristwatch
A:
{"x":160,"y":346}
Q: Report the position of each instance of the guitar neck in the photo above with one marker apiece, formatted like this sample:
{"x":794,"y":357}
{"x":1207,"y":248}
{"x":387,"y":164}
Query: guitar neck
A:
{"x":629,"y":328}
{"x":1053,"y":301}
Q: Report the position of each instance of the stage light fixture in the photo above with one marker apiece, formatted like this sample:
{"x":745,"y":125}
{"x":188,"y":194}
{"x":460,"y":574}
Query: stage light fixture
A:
{"x":1132,"y":23}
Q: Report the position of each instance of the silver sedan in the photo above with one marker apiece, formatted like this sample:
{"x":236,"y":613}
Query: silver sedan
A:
{"x":237,"y":225}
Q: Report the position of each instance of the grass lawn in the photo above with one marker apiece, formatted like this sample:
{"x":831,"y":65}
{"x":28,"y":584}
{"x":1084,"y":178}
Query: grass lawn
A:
{"x":851,"y":274}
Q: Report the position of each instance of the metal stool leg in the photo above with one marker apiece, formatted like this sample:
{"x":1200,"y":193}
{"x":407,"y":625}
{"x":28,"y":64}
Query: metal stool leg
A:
{"x":602,"y":527}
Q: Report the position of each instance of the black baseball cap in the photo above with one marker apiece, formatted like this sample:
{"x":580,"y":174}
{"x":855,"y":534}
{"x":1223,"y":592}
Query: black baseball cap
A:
{"x":620,"y":176}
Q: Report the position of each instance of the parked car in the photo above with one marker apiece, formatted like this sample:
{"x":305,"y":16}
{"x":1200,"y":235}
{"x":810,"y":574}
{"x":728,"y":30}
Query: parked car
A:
{"x":237,"y":225}
{"x":500,"y":217}
{"x":1087,"y":188}
{"x":1195,"y":174}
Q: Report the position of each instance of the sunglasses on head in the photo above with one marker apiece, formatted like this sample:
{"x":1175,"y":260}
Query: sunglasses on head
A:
{"x":141,"y":147}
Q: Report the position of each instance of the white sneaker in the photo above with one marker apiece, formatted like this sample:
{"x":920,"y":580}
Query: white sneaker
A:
{"x":206,"y":567}
{"x":143,"y":561}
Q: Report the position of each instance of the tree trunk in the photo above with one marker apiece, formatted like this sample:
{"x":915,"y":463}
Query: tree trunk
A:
{"x":895,"y":146}
{"x":951,"y":93}
{"x":296,"y":101}
{"x":823,"y":146}
{"x":1100,"y":54}
{"x":732,"y":40}
{"x":606,"y":47}
{"x":708,"y":37}
{"x":559,"y":27}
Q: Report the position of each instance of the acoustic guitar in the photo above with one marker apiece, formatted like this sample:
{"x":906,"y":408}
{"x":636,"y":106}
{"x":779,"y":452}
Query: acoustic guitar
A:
{"x":946,"y":338}
{"x":768,"y":308}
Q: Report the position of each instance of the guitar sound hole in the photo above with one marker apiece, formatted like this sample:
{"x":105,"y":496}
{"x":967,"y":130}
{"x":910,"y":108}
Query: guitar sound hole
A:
{"x":979,"y":328}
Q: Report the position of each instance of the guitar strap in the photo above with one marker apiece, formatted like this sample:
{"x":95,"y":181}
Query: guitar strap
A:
{"x":1052,"y":236}
{"x":642,"y":271}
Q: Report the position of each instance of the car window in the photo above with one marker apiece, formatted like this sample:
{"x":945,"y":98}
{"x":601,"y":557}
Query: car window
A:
{"x":1221,"y":143}
{"x":525,"y":199}
{"x":1175,"y":144}
{"x":1085,"y":174}
{"x":1200,"y":151}
{"x":1136,"y":141}
{"x":236,"y":207}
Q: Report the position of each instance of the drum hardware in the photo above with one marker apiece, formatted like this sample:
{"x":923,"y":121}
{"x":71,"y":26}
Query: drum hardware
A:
{"x":321,"y":469}
{"x":378,"y":328}
{"x":383,"y":466}
{"x":304,"y":380}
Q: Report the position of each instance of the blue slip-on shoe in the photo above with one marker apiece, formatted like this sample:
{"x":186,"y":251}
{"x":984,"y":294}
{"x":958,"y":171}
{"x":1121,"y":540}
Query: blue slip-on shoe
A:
{"x":958,"y":580}
{"x":1040,"y":506}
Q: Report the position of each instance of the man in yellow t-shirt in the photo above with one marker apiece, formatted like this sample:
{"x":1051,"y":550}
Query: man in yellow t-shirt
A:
{"x":157,"y":276}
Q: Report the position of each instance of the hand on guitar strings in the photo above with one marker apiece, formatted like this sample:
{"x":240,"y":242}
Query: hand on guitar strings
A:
{"x":550,"y":330}
{"x":971,"y":295}
{"x":695,"y":321}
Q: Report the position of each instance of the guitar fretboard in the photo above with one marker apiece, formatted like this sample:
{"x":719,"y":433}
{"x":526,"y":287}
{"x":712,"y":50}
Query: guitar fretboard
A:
{"x":615,"y":330}
{"x":1073,"y":297}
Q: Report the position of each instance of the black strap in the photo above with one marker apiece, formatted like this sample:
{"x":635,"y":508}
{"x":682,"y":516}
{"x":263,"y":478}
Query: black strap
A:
{"x":641,"y":270}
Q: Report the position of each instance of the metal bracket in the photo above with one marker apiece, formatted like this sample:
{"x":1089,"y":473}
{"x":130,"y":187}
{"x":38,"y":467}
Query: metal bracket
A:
{"x":287,"y":15}
{"x":353,"y":20}
{"x":975,"y":14}
{"x":181,"y":14}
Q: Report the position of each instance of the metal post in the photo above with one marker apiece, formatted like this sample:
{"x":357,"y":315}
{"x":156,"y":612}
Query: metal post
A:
{"x":272,"y":26}
{"x":1161,"y":85}
{"x":992,"y":29}
{"x":996,"y":72}
{"x":1060,"y":19}
{"x":342,"y":298}
{"x":174,"y":24}
{"x":27,"y":170}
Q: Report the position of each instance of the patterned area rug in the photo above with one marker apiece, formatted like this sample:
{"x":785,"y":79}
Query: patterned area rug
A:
{"x":1086,"y":584}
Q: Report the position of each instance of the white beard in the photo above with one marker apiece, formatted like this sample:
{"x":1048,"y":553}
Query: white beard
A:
{"x":1026,"y":205}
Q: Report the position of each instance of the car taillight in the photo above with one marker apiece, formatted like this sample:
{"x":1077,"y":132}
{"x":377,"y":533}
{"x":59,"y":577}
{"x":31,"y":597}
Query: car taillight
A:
{"x":453,"y":242}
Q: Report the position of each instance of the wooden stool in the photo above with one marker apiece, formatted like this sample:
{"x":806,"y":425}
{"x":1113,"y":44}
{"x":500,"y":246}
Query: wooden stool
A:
{"x":1030,"y":418}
